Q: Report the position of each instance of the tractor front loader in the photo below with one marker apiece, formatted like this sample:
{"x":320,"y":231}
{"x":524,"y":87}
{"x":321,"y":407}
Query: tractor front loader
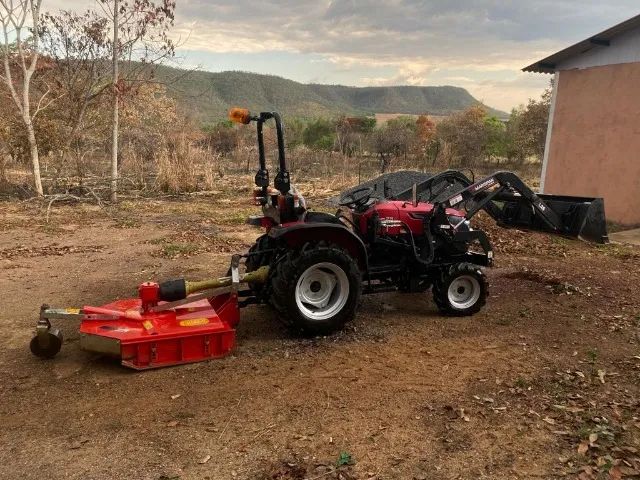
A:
{"x":313,"y":267}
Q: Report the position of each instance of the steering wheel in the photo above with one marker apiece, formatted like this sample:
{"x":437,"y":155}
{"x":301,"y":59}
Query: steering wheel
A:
{"x":356,"y":199}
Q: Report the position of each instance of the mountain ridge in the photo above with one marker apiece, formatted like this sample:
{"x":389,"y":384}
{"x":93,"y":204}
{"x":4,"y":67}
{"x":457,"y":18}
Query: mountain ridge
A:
{"x":209,"y":95}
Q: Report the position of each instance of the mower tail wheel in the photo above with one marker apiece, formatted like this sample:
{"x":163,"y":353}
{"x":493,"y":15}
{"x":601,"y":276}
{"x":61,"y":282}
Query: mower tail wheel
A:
{"x":461,"y":290}
{"x":47,"y":347}
{"x":316,"y":289}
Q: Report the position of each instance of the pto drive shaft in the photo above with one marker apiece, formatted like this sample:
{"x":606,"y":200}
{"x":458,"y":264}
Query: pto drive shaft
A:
{"x":179,"y":289}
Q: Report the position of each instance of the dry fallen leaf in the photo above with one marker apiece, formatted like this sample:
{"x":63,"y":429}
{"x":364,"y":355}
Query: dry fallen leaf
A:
{"x":629,"y":471}
{"x":204,"y":460}
{"x":586,"y":474}
{"x":463,"y":415}
{"x":592,"y":439}
{"x":583,"y":448}
{"x":574,"y":409}
{"x":549,"y":420}
{"x":601,"y":374}
{"x":615,"y":473}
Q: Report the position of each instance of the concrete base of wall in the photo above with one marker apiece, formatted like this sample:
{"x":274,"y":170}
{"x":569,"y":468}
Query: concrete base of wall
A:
{"x":631,"y":237}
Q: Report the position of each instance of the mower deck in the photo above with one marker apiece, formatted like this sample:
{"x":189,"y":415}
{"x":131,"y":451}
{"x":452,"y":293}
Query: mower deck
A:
{"x":191,"y":333}
{"x":168,"y":324}
{"x":146,"y":332}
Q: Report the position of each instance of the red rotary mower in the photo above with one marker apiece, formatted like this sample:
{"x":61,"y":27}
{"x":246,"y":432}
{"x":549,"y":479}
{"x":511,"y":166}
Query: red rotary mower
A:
{"x":312,"y":267}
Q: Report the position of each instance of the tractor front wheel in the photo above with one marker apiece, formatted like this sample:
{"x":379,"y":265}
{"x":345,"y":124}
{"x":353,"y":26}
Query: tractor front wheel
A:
{"x":461,"y":290}
{"x":316,"y":290}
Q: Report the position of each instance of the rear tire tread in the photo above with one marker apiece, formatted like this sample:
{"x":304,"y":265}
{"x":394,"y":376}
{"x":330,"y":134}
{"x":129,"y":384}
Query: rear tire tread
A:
{"x":283,"y":282}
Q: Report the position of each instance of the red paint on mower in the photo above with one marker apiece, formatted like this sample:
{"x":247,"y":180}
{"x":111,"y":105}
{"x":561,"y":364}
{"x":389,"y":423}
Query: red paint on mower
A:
{"x":142,"y":338}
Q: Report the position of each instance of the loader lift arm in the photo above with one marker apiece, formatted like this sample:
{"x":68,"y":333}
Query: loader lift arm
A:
{"x":511,"y":203}
{"x":503,"y":186}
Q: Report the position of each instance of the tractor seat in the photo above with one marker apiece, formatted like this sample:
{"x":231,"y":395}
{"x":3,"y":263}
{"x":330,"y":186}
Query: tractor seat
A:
{"x":321,"y":217}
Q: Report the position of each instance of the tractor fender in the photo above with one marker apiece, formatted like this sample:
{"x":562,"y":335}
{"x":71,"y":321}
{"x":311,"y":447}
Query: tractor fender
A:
{"x":297,"y":234}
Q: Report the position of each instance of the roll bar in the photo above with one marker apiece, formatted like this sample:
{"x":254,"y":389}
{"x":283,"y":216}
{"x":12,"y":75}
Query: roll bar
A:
{"x":282,"y":181}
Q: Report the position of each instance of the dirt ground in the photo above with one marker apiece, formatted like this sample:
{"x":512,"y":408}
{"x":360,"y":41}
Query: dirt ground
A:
{"x":543,"y":383}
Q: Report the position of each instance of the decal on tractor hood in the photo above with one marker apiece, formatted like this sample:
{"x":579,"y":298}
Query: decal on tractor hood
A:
{"x":484,"y":185}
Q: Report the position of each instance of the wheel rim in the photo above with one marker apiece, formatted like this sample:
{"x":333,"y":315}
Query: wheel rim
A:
{"x":463,"y":292}
{"x":322,"y":291}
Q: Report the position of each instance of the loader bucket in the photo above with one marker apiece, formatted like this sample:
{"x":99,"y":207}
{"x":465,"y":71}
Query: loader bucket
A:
{"x":582,"y":217}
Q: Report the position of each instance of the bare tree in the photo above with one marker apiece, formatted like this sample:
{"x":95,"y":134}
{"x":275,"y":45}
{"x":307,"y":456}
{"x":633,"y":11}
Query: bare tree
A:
{"x":465,"y":136}
{"x":140,"y":34}
{"x":15,"y":16}
{"x":78,"y":46}
{"x":116,"y":101}
{"x":395,"y":138}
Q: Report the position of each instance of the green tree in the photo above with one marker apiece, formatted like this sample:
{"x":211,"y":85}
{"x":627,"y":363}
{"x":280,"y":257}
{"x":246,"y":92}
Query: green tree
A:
{"x":396,"y":138}
{"x":351,"y":133}
{"x":527,"y":129}
{"x":294,"y":134}
{"x":497,"y":141}
{"x":464,"y":135}
{"x":319,"y":134}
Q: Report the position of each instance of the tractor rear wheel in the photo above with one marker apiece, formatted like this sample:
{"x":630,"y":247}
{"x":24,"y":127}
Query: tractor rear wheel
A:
{"x":461,"y":290}
{"x":316,"y":289}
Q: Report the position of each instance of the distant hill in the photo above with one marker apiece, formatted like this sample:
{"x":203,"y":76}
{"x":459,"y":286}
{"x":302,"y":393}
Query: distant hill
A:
{"x":209,"y":96}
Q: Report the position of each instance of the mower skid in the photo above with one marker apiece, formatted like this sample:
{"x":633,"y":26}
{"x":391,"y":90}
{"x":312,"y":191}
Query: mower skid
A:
{"x":581,"y":217}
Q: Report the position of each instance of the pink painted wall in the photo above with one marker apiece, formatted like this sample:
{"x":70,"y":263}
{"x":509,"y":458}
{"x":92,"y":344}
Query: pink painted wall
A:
{"x":595,"y":139}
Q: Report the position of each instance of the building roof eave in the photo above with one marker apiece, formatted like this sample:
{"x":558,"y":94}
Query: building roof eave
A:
{"x":600,"y":40}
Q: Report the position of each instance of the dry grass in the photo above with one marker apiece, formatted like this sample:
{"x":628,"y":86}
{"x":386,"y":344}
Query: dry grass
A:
{"x":188,"y":169}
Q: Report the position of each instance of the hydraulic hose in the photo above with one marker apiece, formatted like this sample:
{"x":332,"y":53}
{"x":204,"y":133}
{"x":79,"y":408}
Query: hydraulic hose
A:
{"x":427,"y":231}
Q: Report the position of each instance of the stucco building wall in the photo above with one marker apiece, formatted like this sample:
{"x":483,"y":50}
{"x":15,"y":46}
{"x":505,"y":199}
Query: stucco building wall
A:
{"x":594,"y":148}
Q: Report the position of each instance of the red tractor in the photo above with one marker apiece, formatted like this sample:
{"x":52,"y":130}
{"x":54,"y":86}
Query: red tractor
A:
{"x":313,"y":266}
{"x":408,"y":241}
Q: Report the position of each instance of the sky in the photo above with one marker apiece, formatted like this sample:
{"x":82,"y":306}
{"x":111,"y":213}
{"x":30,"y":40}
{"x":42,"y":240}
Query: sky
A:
{"x":480,"y":45}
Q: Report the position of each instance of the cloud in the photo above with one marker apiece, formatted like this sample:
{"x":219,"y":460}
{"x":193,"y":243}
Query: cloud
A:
{"x":399,"y":41}
{"x":407,"y":74}
{"x":506,"y":94}
{"x":482,"y":34}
